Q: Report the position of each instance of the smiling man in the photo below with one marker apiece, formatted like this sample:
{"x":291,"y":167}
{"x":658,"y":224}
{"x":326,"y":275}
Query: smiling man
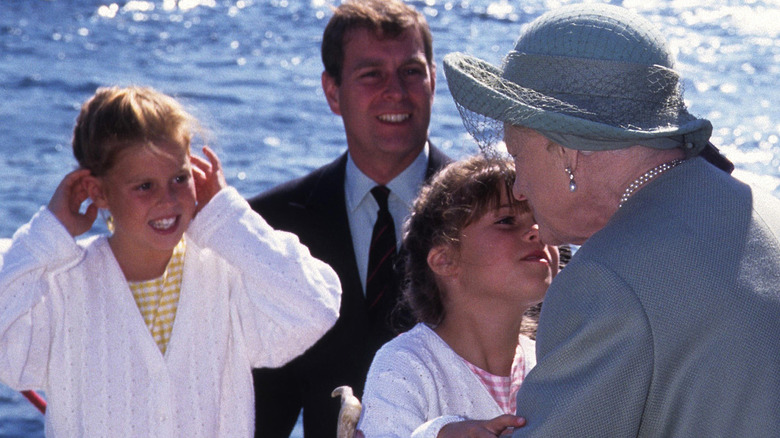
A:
{"x":380,"y":78}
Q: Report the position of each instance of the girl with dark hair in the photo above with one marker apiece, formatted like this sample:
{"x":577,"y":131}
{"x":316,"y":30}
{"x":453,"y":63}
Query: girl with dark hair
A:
{"x":474,"y":266}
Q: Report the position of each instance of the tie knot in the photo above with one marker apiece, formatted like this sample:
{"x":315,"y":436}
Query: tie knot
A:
{"x":380,"y":193}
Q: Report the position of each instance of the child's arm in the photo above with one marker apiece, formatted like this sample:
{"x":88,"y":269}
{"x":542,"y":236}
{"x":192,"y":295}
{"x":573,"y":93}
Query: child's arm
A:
{"x":4,"y":245}
{"x":39,"y":248}
{"x":398,"y":395}
{"x":287,"y":299}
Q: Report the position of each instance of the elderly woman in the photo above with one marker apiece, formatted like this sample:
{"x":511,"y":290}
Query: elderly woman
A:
{"x":666,"y":321}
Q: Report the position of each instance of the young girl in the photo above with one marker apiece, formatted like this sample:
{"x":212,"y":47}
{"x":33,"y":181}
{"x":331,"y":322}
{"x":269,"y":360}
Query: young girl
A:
{"x":474,"y":266}
{"x":154,"y":329}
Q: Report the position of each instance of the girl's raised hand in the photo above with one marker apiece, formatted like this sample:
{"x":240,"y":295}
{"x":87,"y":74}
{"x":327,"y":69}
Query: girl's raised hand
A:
{"x":209,"y":179}
{"x":66,"y":203}
{"x":499,"y":426}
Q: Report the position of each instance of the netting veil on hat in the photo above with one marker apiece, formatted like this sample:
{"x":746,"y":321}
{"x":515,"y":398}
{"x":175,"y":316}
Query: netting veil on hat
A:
{"x":591,"y":77}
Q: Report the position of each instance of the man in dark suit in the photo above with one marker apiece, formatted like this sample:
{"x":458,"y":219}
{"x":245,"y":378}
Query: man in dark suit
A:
{"x":380,"y":78}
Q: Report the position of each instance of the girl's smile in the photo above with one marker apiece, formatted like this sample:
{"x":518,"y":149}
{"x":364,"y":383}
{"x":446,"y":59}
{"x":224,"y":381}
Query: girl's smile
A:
{"x":165,"y":225}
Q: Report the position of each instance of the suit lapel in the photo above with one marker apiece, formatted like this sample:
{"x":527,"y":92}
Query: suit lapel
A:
{"x":436,"y":160}
{"x":326,"y":204}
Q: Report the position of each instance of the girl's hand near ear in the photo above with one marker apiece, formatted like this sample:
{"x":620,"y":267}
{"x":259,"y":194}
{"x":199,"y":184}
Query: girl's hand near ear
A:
{"x":66,"y":203}
{"x":209,"y":179}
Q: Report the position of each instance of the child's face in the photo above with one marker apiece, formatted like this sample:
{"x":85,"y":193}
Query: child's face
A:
{"x":151,"y":197}
{"x":501,"y":257}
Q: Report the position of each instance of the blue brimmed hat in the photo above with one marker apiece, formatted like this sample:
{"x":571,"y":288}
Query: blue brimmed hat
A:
{"x":591,"y":77}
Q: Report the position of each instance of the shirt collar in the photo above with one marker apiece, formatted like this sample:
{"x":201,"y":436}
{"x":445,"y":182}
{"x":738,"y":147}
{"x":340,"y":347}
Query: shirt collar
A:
{"x":405,"y":186}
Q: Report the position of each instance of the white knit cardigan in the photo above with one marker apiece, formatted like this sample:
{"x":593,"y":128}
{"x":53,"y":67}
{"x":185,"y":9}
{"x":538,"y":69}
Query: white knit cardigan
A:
{"x":250,"y":297}
{"x":417,"y":384}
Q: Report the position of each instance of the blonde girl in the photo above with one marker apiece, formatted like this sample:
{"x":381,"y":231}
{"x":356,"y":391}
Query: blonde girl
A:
{"x":153,"y":329}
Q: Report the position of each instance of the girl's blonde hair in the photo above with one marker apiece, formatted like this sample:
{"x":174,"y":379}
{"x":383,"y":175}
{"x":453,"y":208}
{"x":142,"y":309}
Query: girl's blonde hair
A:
{"x":116,"y":118}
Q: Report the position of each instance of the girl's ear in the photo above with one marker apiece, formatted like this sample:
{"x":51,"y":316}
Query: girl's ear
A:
{"x":442,"y":259}
{"x":94,"y":186}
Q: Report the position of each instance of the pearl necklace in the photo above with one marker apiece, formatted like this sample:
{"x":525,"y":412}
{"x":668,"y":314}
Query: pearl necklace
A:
{"x":645,"y":177}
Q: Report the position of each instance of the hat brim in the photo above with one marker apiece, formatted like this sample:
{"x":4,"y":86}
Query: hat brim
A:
{"x":480,"y":87}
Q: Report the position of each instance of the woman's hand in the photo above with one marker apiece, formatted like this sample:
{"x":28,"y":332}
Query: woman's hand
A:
{"x":209,"y":179}
{"x":501,"y":425}
{"x":66,"y":203}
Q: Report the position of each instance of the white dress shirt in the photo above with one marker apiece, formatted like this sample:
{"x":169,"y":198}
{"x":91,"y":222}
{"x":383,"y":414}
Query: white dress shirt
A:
{"x":362,"y":207}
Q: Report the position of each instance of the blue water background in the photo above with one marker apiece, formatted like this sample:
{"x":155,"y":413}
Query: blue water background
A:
{"x":250,"y":70}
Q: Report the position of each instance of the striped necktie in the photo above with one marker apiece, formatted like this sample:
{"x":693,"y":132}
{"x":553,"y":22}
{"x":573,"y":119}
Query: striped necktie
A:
{"x":380,"y":279}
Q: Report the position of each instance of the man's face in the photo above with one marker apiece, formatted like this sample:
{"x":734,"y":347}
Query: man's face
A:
{"x":385,"y":96}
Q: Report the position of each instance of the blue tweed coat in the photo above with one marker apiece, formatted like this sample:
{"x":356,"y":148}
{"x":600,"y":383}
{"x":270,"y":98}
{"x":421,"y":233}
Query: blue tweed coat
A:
{"x":666,"y":323}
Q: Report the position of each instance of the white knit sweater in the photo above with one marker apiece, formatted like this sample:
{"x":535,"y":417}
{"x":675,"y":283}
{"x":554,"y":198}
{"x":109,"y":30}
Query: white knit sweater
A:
{"x":417,"y":384}
{"x":250,"y":297}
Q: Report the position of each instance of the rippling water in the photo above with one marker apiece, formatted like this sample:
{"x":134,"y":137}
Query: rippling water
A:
{"x":250,"y":71}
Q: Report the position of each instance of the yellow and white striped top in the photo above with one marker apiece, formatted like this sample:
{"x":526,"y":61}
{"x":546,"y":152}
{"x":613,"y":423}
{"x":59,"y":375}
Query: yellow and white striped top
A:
{"x":158,"y":299}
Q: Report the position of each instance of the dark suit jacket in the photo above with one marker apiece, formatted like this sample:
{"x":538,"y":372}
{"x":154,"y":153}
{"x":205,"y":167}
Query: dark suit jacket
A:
{"x":314,"y":208}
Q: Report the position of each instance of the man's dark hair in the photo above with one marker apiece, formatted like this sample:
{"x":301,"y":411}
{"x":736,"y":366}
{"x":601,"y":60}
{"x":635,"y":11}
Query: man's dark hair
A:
{"x":388,"y":18}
